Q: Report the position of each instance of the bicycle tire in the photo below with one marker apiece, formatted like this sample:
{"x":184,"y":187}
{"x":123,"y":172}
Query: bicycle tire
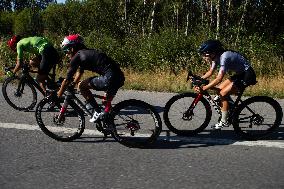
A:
{"x":65,"y":130}
{"x":136,"y":123}
{"x":25,"y":100}
{"x":265,"y":109}
{"x":192,"y":124}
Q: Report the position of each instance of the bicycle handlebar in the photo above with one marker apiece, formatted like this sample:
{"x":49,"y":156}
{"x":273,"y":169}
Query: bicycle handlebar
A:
{"x":6,"y":69}
{"x":195,"y":79}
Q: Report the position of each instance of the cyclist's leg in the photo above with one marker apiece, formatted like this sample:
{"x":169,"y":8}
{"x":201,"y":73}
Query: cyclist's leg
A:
{"x":49,"y":58}
{"x":85,"y":87}
{"x":35,"y":62}
{"x":116,"y":81}
{"x":226,"y":88}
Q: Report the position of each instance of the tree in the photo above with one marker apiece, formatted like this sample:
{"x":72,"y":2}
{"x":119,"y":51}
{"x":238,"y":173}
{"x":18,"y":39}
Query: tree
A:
{"x":6,"y":5}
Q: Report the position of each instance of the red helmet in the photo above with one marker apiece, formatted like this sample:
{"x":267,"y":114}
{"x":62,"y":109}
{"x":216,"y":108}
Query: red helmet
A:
{"x":70,"y":41}
{"x":12,"y":43}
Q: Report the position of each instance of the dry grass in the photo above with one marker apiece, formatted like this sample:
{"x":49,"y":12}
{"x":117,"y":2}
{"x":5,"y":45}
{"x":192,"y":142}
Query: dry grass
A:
{"x":270,"y":86}
{"x":164,"y":81}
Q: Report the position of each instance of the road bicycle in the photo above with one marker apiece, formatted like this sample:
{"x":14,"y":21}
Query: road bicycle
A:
{"x":20,"y":91}
{"x":133,"y":123}
{"x":188,"y":114}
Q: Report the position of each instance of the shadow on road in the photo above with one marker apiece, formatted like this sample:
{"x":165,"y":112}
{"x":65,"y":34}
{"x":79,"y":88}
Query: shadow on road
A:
{"x":169,"y":140}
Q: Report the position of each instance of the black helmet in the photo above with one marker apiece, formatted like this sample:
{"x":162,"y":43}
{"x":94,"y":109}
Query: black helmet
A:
{"x":211,"y":46}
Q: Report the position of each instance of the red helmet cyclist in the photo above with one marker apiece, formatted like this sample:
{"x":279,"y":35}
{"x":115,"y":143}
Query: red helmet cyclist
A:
{"x":12,"y":43}
{"x":72,"y":41}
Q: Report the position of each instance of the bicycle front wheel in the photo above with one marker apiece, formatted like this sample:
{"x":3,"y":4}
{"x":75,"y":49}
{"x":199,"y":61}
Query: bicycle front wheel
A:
{"x":136,"y":123}
{"x":19,"y":95}
{"x":68,"y":126}
{"x":183,"y":119}
{"x":257,"y":117}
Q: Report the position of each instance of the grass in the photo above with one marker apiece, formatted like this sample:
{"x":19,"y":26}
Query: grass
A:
{"x":163,"y":81}
{"x":166,"y":82}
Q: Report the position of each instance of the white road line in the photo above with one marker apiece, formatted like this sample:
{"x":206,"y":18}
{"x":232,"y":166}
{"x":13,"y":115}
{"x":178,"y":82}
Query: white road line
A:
{"x":195,"y":140}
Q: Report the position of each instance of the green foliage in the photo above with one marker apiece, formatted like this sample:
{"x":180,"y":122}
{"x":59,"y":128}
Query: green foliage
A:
{"x":28,"y":22}
{"x":6,"y":22}
{"x":123,"y":29}
{"x":7,"y":57}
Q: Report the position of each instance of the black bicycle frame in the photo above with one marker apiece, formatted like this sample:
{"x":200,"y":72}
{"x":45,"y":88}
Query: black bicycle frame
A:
{"x":26,"y":78}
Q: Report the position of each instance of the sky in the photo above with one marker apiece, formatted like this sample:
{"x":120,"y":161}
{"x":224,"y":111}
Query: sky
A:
{"x":60,"y":1}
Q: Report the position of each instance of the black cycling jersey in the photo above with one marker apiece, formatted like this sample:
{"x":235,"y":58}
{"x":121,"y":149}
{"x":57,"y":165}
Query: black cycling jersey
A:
{"x":111,"y":79}
{"x":92,"y":60}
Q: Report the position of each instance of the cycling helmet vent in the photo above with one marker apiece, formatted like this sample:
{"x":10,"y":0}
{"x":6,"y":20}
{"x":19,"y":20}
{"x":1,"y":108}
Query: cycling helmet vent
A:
{"x":71,"y":40}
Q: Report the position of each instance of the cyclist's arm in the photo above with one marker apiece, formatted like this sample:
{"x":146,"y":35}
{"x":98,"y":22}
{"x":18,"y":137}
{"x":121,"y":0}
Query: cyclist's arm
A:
{"x":214,"y":82}
{"x":18,"y":66}
{"x":78,"y":77}
{"x":63,"y":87}
{"x":19,"y":58}
{"x":208,"y":74}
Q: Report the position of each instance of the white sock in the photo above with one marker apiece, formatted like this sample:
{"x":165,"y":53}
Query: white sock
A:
{"x":224,"y":117}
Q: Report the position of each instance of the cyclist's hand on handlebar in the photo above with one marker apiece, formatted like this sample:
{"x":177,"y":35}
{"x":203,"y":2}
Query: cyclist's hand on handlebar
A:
{"x":198,"y":89}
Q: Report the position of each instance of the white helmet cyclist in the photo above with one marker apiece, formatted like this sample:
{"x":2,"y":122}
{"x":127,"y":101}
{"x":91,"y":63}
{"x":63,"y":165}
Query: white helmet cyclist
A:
{"x":71,"y":41}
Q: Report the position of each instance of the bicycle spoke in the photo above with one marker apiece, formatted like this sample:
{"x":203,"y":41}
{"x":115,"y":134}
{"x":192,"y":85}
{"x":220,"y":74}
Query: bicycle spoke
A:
{"x":65,"y":126}
{"x":19,"y":97}
{"x":257,"y":117}
{"x":136,"y":123}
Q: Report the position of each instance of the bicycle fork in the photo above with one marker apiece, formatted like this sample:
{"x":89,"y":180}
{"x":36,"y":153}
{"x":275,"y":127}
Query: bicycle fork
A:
{"x":187,"y":115}
{"x":63,"y":109}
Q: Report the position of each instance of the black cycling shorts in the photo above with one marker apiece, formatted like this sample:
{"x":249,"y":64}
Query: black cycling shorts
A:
{"x":244,"y":79}
{"x":110,"y":82}
{"x":49,"y":58}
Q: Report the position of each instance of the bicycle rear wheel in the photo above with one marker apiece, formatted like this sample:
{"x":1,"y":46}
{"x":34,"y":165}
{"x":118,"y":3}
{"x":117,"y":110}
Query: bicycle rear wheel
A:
{"x":257,"y":117}
{"x":67,"y":128}
{"x":137,"y":123}
{"x":19,"y":95}
{"x":184,"y":121}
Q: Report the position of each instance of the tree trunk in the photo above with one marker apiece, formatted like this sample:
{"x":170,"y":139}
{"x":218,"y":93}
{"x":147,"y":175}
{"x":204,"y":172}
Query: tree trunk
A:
{"x":176,"y":7}
{"x":187,"y":18}
{"x":153,"y":18}
{"x":143,"y":18}
{"x":229,"y":12}
{"x":241,"y":21}
{"x":218,"y":20}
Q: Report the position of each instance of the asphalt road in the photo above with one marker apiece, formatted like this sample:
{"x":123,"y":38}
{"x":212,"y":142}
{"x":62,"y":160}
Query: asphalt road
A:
{"x":29,"y":159}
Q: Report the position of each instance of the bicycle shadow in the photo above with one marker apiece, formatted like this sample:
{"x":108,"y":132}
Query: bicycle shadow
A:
{"x":94,"y":139}
{"x":208,"y":138}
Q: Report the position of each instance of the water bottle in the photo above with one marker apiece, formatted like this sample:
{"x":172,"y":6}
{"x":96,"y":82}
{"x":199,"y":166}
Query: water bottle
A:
{"x":217,"y":99}
{"x":90,"y":108}
{"x":231,"y":103}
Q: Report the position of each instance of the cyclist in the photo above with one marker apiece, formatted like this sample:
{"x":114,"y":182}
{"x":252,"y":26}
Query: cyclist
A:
{"x":81,"y":58}
{"x":243,"y":75}
{"x":46,"y":56}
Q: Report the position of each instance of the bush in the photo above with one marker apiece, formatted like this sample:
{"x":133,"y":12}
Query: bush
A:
{"x":6,"y":22}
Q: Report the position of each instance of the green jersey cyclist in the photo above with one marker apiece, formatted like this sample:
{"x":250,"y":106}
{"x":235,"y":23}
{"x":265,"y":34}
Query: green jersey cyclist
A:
{"x":46,"y":56}
{"x":212,"y":51}
{"x":110,"y":78}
